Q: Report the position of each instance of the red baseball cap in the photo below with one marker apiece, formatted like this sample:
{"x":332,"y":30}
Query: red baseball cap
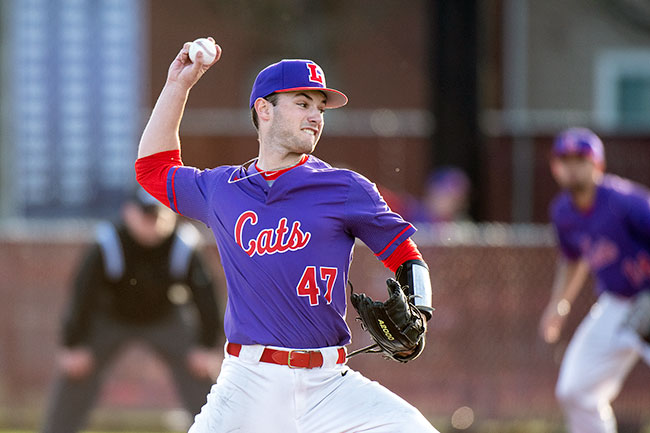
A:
{"x":293,"y":75}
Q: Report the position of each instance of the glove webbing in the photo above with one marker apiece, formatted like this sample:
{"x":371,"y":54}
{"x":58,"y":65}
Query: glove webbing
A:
{"x":367,"y":349}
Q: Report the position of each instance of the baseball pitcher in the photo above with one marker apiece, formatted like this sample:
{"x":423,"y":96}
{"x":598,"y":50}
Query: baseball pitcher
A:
{"x":285,"y":225}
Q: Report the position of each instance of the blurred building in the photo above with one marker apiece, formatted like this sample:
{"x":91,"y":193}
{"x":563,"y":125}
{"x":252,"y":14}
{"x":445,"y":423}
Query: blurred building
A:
{"x":80,"y":76}
{"x":71,"y":100}
{"x":552,"y":64}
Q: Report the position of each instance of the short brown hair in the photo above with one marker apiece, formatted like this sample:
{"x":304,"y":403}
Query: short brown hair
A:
{"x":273,"y":99}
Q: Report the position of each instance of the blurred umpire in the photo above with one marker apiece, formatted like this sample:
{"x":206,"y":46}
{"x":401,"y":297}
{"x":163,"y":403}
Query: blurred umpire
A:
{"x":142,"y":280}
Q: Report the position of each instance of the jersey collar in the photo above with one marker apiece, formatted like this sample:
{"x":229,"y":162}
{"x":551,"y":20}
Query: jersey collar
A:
{"x":273,"y":175}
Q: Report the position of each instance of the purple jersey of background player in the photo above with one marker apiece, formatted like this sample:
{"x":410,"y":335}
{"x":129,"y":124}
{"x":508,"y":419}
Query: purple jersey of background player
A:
{"x":613,"y":236}
{"x":313,"y":213}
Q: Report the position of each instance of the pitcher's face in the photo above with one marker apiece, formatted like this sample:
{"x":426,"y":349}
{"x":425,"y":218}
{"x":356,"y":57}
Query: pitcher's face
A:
{"x":297,"y":121}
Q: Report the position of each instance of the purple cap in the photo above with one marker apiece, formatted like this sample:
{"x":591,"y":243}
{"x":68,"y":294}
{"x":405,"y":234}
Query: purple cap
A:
{"x":294,"y":75}
{"x":579,"y":141}
{"x":449,"y":178}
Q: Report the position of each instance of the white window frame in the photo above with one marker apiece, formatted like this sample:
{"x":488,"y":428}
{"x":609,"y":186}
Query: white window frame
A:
{"x":611,"y":66}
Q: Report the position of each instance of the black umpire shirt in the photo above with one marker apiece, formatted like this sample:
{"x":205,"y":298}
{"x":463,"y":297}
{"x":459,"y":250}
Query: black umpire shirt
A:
{"x":142,"y":294}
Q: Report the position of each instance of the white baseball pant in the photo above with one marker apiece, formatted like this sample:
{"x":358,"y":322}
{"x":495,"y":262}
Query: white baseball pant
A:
{"x":254,"y":396}
{"x":598,"y":359}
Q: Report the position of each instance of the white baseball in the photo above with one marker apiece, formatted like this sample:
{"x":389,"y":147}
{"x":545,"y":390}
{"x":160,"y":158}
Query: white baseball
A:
{"x":206,"y":46}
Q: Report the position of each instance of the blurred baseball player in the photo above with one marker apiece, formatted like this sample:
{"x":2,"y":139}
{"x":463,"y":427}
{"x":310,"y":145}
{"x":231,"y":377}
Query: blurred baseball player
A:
{"x":603,"y":226}
{"x":285,"y":226}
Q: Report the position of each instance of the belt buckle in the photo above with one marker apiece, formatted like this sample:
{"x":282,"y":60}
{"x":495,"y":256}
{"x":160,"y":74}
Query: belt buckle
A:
{"x":291,"y":351}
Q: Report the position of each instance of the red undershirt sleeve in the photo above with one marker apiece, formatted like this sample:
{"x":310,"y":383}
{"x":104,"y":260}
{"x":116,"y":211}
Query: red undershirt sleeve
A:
{"x":151,"y":172}
{"x":407,"y":250}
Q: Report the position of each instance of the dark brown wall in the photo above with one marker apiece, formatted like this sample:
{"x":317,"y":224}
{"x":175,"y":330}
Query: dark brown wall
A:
{"x":377,"y":56}
{"x":374,"y":54}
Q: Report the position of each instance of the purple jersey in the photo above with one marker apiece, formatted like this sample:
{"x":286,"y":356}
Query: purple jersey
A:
{"x":286,"y":249}
{"x":613,"y":236}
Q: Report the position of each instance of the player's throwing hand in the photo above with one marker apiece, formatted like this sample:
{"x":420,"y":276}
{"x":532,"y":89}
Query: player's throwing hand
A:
{"x":186,"y":73}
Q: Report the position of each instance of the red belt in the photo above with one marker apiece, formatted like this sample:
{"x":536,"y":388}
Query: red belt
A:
{"x":294,"y":358}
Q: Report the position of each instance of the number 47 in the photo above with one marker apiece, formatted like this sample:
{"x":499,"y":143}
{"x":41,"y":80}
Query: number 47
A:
{"x":308,"y":286}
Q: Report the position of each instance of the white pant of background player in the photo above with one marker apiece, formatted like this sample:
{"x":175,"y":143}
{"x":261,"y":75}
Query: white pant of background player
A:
{"x":253,"y":396}
{"x":600,"y":356}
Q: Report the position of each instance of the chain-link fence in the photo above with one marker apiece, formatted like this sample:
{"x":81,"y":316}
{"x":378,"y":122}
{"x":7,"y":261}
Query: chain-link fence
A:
{"x":484,"y":359}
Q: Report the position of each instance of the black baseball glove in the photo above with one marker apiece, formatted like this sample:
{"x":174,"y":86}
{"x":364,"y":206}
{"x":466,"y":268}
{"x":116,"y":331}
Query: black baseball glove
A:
{"x":396,"y":326}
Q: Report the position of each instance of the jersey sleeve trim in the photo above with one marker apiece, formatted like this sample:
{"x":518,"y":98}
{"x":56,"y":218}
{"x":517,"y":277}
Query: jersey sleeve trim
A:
{"x":405,"y":251}
{"x":410,"y":227}
{"x":172,"y":192}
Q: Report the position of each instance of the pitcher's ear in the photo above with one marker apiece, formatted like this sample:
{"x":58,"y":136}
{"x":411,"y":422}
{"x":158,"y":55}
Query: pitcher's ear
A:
{"x":263,"y":108}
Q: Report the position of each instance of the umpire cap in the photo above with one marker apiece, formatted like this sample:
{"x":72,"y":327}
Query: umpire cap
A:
{"x":145,"y":201}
